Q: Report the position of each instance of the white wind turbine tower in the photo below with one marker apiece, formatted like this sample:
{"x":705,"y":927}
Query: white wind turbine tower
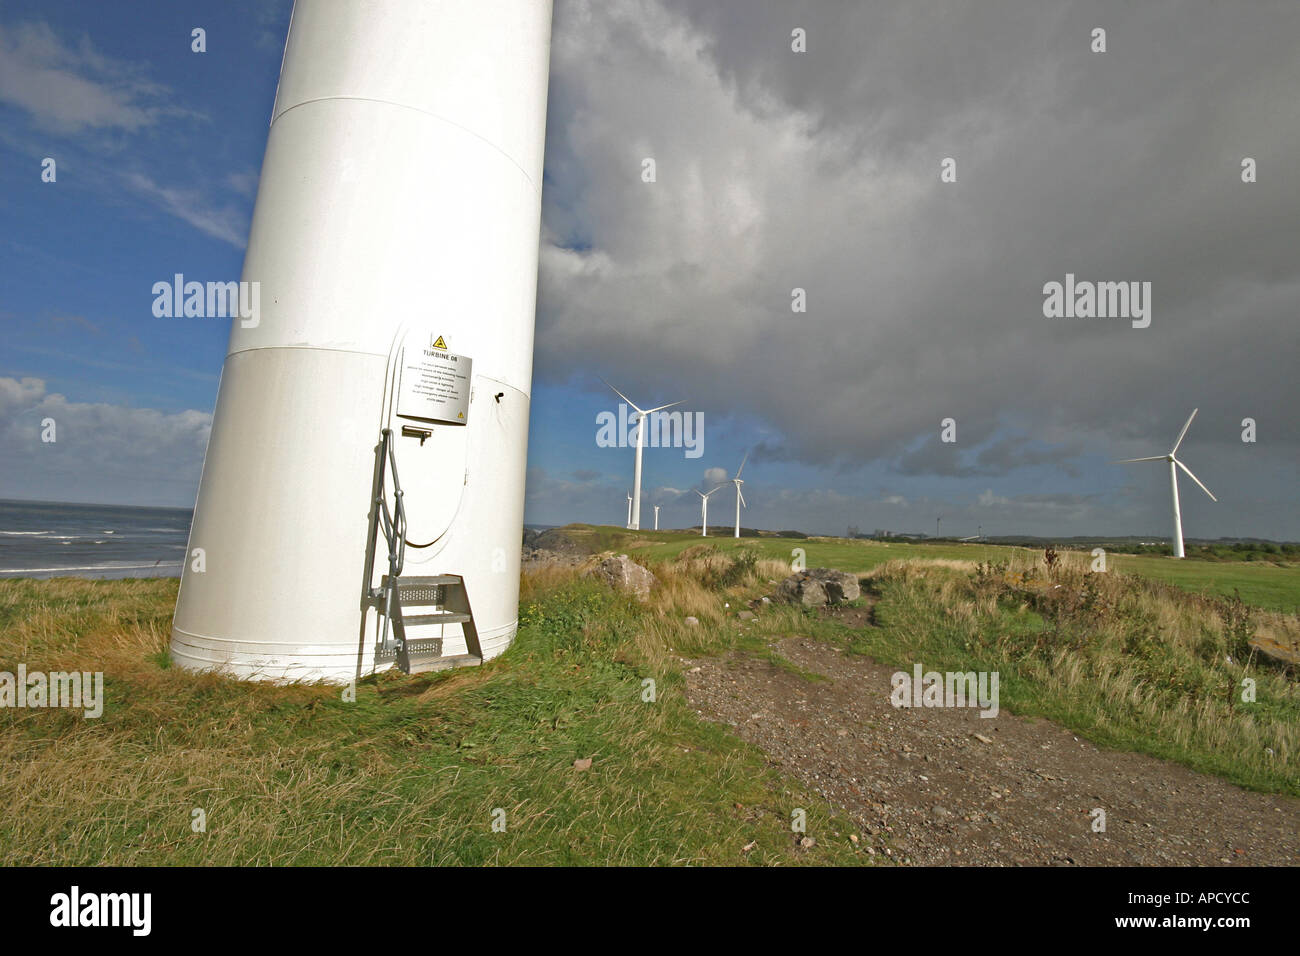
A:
{"x":1174,"y":465}
{"x":629,"y":510}
{"x":740,"y":499}
{"x":634,"y":509}
{"x":656,"y":517}
{"x":704,"y":509}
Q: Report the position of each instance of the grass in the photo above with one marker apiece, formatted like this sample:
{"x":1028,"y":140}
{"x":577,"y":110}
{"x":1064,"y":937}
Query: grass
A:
{"x":1268,"y":585}
{"x":413,"y":772}
{"x":1130,"y":663}
{"x":1275,"y":586}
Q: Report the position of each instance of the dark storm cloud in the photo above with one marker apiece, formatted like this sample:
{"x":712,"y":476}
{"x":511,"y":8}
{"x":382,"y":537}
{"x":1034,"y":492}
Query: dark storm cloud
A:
{"x":820,"y":170}
{"x":936,"y":457}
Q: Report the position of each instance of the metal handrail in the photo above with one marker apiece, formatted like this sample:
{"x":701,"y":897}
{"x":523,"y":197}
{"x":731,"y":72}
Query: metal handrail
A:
{"x":393,"y":524}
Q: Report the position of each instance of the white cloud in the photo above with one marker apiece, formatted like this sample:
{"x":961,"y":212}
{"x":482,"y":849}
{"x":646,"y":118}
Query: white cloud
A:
{"x":190,"y":205}
{"x":68,"y":89}
{"x":102,"y":452}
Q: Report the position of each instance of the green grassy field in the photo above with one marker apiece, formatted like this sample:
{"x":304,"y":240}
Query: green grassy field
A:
{"x":415,"y":771}
{"x":1263,"y":585}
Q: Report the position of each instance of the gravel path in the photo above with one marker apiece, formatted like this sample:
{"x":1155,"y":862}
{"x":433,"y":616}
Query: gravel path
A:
{"x":922,"y":788}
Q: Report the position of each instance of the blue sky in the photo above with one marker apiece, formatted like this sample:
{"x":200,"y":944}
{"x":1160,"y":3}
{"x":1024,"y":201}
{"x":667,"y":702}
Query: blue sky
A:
{"x":775,"y":172}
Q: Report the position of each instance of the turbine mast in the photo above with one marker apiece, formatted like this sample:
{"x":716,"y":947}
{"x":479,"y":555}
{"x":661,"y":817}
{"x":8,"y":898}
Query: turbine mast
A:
{"x":1178,"y":518}
{"x":634,"y":522}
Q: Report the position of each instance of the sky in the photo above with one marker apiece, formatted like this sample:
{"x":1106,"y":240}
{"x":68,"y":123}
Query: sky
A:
{"x":920,"y":170}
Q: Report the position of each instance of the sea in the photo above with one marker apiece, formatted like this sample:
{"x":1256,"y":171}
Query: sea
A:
{"x":51,"y":539}
{"x":48,"y":539}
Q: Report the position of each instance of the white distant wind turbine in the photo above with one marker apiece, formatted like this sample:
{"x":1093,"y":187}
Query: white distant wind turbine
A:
{"x":704,"y":509}
{"x":656,"y":517}
{"x":1174,"y":465}
{"x":629,"y":510}
{"x":740,"y":498}
{"x":634,"y":509}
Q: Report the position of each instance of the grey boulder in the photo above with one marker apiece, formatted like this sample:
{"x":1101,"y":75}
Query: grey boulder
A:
{"x":621,"y":572}
{"x":818,"y":586}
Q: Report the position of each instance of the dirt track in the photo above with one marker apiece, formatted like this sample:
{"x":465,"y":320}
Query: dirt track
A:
{"x":921,"y":788}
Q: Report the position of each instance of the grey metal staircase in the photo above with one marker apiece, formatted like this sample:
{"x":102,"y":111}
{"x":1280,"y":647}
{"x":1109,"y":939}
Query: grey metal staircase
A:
{"x":445,"y":595}
{"x":442,"y":597}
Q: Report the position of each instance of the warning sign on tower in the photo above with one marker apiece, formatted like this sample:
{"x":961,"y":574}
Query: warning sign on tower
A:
{"x":434,"y":384}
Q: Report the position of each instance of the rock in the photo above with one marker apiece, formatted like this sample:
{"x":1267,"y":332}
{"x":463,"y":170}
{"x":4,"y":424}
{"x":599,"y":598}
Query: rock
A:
{"x":747,"y":615}
{"x":582,"y":763}
{"x":801,"y":589}
{"x":622,"y":572}
{"x":766,"y":600}
{"x":840,"y":586}
{"x":692,"y":621}
{"x":940,"y":813}
{"x":807,"y":842}
{"x":1274,"y":650}
{"x":819,"y":586}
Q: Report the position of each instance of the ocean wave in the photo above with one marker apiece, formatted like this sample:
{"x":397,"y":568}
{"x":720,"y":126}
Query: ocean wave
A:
{"x":112,"y":566}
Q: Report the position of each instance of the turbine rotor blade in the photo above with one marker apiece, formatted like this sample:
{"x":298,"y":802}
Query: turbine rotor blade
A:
{"x":624,"y":397}
{"x":742,"y":464}
{"x":1174,"y":450}
{"x":1125,"y":461}
{"x":742,"y":498}
{"x":661,"y":407}
{"x":1194,"y":478}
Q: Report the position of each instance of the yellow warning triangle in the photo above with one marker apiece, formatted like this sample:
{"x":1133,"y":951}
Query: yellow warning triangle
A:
{"x":440,"y":344}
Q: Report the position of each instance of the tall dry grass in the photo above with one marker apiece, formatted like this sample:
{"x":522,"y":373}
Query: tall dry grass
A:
{"x":1133,"y":662}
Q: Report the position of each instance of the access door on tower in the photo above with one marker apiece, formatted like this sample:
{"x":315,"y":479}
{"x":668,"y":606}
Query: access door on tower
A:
{"x":429,"y":416}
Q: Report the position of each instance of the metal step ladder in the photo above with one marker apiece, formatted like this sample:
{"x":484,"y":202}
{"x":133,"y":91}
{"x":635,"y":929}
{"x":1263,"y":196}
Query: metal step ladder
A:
{"x":443,"y":596}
